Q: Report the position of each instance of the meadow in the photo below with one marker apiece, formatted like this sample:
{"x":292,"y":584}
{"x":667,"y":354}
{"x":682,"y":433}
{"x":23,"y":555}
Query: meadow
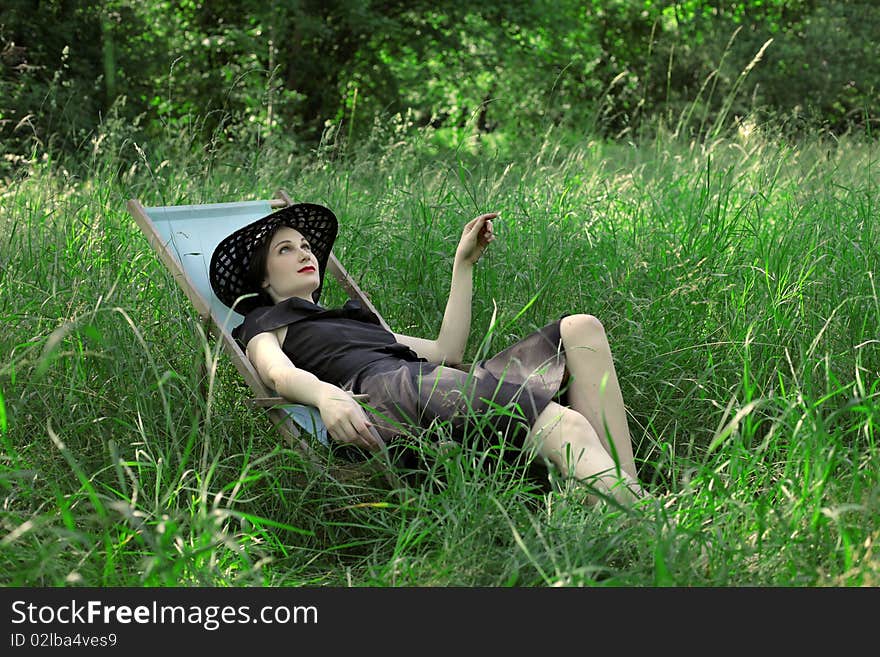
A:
{"x":735,"y":278}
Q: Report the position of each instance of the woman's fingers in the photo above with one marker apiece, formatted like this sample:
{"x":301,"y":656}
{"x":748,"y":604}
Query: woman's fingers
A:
{"x":357,"y":431}
{"x":346,"y":420}
{"x":478,"y":233}
{"x":367,"y":436}
{"x":479,"y":220}
{"x":346,"y":432}
{"x":488,"y":232}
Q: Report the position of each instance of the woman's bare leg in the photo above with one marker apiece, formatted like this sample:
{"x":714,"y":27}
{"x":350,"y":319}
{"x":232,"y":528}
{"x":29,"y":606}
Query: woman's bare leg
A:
{"x":588,"y":358}
{"x":570,"y":442}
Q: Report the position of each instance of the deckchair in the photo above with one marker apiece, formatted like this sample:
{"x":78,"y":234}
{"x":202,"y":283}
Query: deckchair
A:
{"x":184,"y":237}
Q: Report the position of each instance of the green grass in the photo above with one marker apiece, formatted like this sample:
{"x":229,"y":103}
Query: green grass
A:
{"x":735,"y":279}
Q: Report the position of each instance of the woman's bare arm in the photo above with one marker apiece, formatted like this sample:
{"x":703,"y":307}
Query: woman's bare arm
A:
{"x":451,"y":341}
{"x":449,"y":347}
{"x":344,"y":418}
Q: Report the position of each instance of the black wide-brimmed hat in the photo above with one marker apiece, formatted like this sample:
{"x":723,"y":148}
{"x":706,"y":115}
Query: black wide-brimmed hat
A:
{"x":230,"y":270}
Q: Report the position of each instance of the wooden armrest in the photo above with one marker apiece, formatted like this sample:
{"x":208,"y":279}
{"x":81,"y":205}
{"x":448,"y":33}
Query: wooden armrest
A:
{"x":268,"y":402}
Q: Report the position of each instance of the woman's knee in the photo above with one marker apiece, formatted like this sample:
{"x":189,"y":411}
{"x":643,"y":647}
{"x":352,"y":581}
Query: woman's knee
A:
{"x":565,"y":437}
{"x":577,"y":431}
{"x":581,"y":327}
{"x":561,"y":424}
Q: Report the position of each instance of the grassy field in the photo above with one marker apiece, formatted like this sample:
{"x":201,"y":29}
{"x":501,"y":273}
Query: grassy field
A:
{"x":735,"y":279}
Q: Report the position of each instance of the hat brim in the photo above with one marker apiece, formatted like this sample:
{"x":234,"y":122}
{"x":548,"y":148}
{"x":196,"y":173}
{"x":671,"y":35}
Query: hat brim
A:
{"x":231,"y":259}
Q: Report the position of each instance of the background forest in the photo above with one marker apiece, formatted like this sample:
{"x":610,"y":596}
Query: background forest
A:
{"x":253,"y":71}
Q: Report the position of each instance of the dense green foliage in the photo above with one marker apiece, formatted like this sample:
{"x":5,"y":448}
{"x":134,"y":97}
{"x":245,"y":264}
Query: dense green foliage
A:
{"x":301,"y":67}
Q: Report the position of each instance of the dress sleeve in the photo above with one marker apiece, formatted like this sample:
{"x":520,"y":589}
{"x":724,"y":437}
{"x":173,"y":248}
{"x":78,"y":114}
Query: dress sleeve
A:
{"x":269,"y":318}
{"x":289,"y":311}
{"x":252,"y":325}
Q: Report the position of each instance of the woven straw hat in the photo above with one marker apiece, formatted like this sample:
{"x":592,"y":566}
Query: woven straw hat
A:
{"x":230,"y":262}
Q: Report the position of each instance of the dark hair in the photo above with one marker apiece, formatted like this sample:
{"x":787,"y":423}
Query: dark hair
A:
{"x":255,"y":272}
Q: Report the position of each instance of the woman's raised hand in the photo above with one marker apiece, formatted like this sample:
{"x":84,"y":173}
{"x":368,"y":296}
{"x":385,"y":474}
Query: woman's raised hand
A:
{"x":475,"y":237}
{"x":346,"y":421}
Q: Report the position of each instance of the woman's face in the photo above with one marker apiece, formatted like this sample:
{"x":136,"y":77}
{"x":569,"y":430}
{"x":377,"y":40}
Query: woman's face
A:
{"x":291,"y":267}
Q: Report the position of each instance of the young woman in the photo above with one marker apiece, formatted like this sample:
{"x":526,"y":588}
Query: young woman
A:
{"x":558,"y":385}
